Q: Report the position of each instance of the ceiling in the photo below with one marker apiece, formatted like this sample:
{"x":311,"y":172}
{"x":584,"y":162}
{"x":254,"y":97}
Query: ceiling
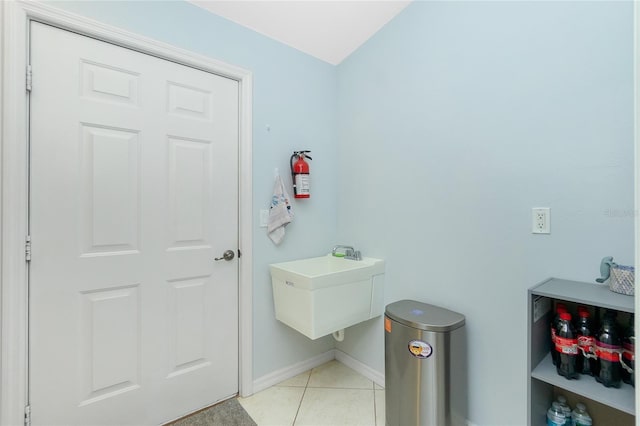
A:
{"x":329,"y":30}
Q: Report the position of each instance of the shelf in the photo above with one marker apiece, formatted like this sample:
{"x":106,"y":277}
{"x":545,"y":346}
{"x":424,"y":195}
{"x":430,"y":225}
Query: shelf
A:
{"x":584,"y":293}
{"x":544,"y":381}
{"x":622,"y":399}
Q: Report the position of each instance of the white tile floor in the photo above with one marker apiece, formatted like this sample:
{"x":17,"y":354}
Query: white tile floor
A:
{"x":331,"y":394}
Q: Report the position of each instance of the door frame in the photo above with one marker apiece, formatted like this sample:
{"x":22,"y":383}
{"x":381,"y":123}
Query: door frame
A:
{"x":14,"y":185}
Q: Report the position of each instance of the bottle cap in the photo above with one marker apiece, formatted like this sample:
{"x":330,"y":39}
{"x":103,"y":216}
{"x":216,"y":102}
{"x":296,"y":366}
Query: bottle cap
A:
{"x":562,"y":399}
{"x":561,"y":309}
{"x":584,"y":314}
{"x":581,"y":406}
{"x":561,"y":305}
{"x":565,"y":316}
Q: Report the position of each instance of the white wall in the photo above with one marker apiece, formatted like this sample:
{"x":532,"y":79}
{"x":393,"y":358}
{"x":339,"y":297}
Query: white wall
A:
{"x":454,"y":121}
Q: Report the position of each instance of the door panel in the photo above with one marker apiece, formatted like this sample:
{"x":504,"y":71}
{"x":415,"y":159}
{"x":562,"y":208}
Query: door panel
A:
{"x":110,"y":356}
{"x":110,"y":200}
{"x":190,"y":178}
{"x":133,"y":193}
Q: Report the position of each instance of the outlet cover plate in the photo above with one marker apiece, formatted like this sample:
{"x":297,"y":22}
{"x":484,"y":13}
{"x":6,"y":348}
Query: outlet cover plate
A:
{"x":541,"y":220}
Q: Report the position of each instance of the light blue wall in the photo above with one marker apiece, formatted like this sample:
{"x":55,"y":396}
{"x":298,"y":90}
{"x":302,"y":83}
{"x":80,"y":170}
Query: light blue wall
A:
{"x":293,"y":93}
{"x":454,"y":121}
{"x":451,"y":124}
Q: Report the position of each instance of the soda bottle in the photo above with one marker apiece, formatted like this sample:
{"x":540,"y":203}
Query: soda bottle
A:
{"x":580,"y":417}
{"x":560,"y":307}
{"x":629,"y":353}
{"x":555,"y":415}
{"x":562,"y":401}
{"x":608,"y":347}
{"x":586,"y":343}
{"x":567,"y":347}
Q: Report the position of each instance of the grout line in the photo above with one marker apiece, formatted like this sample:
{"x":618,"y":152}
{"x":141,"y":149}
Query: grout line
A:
{"x":299,"y":405}
{"x":303,"y":393}
{"x":375,"y":412}
{"x":306,"y":386}
{"x":375,"y":417}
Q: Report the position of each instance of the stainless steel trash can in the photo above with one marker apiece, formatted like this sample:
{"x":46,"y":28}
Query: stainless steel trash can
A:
{"x":417,"y":363}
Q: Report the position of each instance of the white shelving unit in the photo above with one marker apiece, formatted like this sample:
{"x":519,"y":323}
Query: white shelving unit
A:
{"x":543,"y":380}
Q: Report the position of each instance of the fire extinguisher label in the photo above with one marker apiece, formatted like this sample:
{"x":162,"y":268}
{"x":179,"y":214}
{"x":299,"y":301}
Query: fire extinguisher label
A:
{"x":420,"y":349}
{"x":302,"y":184}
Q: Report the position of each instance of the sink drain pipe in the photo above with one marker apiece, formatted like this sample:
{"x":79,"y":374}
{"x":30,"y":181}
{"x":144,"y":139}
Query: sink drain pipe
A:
{"x":339,"y":335}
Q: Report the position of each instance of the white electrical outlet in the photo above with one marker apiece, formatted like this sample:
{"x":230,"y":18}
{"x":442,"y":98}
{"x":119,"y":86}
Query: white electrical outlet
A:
{"x":541,"y":220}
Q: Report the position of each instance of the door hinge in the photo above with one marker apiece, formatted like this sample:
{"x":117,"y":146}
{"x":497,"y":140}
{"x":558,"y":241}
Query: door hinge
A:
{"x":27,"y":415}
{"x":29,"y":78}
{"x":27,"y":248}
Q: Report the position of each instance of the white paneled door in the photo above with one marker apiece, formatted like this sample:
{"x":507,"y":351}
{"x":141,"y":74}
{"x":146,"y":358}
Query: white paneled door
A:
{"x":133,"y":193}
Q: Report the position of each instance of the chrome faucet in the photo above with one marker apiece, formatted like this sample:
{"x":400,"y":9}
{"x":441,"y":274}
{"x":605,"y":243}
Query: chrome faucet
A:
{"x":349,"y":252}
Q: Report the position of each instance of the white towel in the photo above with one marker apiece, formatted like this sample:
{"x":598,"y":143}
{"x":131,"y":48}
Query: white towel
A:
{"x":280,"y":213}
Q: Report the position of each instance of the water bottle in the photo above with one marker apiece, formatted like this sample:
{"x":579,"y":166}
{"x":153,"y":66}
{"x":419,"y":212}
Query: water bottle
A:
{"x":565,"y":409}
{"x":608,"y":347}
{"x":555,"y":415}
{"x":567,"y":347}
{"x":580,"y":417}
{"x":586,"y":343}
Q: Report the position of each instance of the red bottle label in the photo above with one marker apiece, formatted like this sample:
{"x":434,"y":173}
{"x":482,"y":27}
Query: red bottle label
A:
{"x":587,"y":343}
{"x":608,"y":352}
{"x":567,"y":346}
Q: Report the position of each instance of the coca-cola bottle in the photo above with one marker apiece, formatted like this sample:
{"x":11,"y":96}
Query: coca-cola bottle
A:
{"x":585,"y":363}
{"x":608,"y":347}
{"x":560,"y":307}
{"x":567,"y":347}
{"x":629,"y":353}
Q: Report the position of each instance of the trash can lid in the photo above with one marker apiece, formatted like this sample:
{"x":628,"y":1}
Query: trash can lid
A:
{"x":424,"y":316}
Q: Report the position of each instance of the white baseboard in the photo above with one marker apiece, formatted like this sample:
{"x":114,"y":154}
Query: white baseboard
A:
{"x":360,"y":367}
{"x":283,"y":374}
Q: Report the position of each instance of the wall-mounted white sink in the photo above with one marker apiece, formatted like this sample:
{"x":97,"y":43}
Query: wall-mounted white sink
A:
{"x":320,"y":295}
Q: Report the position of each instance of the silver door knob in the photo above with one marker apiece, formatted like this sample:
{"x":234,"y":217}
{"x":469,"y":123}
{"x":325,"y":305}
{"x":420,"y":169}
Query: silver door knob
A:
{"x":227,"y":255}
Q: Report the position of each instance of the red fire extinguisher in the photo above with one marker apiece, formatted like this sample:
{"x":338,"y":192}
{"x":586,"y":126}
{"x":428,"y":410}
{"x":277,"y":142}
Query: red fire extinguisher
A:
{"x":300,"y":174}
